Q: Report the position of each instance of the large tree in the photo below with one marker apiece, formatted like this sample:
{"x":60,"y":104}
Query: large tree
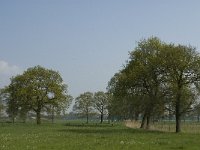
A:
{"x":84,"y":104}
{"x":36,"y":89}
{"x":101,"y":103}
{"x":140,"y":83}
{"x":182,"y":67}
{"x":162,"y":76}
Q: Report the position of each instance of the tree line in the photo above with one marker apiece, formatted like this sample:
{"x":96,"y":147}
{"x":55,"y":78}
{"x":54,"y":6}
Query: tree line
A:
{"x":158,"y":79}
{"x":88,"y":103}
{"x":42,"y":91}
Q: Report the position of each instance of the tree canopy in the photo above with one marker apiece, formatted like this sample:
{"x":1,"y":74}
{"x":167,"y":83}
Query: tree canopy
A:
{"x":35,"y":90}
{"x":156,"y":76}
{"x":100,"y":103}
{"x":84,"y":104}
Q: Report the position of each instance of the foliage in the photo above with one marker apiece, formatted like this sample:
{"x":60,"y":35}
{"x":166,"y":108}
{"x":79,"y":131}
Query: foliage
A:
{"x":2,"y":107}
{"x":149,"y":82}
{"x":35,"y":90}
{"x":100,"y":103}
{"x":83,"y":104}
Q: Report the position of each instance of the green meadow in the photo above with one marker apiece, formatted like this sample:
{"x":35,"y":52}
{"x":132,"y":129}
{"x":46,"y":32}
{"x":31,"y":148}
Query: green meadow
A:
{"x":92,"y":136}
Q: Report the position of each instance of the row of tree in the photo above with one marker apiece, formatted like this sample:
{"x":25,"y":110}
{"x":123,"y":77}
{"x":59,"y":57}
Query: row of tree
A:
{"x":42,"y":91}
{"x":158,"y":79}
{"x":89,"y":103}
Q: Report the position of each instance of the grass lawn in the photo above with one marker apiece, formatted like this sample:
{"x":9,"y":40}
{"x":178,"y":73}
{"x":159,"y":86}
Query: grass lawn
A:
{"x":66,"y":136}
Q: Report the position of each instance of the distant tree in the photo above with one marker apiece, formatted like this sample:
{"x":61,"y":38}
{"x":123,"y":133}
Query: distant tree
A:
{"x":1,"y":101}
{"x":84,"y":104}
{"x":12,"y":104}
{"x":101,"y":103}
{"x":31,"y":90}
{"x":60,"y":108}
{"x":23,"y":111}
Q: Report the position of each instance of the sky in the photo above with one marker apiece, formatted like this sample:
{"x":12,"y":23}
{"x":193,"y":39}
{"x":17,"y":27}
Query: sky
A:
{"x":88,"y":41}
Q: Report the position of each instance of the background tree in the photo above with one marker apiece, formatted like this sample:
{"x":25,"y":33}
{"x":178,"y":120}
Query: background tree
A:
{"x":2,"y":106}
{"x":101,"y":103}
{"x":58,"y":108}
{"x":31,"y":90}
{"x":12,"y":104}
{"x":84,"y":104}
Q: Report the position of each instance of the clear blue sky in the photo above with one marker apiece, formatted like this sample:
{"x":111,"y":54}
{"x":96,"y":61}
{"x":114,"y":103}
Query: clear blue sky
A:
{"x":88,"y":41}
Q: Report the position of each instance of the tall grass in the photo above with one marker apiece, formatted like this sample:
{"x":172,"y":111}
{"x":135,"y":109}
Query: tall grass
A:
{"x":169,"y":126}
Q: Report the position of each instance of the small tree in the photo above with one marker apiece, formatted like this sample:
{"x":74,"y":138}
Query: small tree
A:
{"x":12,"y":109}
{"x":1,"y":102}
{"x":58,"y":109}
{"x":83,"y":104}
{"x":101,"y":103}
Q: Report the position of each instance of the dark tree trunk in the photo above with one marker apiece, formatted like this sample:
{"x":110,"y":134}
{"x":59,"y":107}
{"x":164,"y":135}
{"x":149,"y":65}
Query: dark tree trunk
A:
{"x":87,"y":118}
{"x":178,"y":122}
{"x":143,"y":121}
{"x":102,"y":114}
{"x":148,"y":122}
{"x":38,"y":119}
{"x":178,"y":115}
{"x":101,"y":117}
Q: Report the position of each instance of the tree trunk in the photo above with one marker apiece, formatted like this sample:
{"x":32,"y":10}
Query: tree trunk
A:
{"x":87,"y":118}
{"x":143,"y":121}
{"x":178,"y":123}
{"x":178,"y":116}
{"x":38,"y":117}
{"x":101,"y":117}
{"x":148,"y":123}
{"x":102,"y":110}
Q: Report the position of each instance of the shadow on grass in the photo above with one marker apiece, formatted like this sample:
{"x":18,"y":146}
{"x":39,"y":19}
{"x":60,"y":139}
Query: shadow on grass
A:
{"x":103,"y":129}
{"x":89,"y":125}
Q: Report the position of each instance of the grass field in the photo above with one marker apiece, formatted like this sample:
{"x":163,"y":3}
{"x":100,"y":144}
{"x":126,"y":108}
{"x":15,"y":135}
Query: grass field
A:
{"x":77,"y":136}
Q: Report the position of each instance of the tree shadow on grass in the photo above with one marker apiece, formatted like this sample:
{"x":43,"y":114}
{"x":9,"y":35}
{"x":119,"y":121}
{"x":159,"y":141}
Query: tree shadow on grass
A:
{"x":91,"y":129}
{"x":88,"y":125}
